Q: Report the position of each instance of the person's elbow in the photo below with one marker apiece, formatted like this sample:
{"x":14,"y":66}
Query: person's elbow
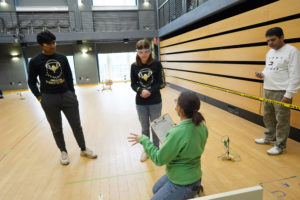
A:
{"x":158,"y":163}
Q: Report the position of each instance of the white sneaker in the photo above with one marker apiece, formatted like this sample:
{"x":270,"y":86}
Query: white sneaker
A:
{"x":88,"y":153}
{"x":275,"y":151}
{"x":144,"y":156}
{"x":264,"y":141}
{"x":64,"y":158}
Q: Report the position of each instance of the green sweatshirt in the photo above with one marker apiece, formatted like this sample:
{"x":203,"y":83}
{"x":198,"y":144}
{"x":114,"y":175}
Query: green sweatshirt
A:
{"x":181,"y":152}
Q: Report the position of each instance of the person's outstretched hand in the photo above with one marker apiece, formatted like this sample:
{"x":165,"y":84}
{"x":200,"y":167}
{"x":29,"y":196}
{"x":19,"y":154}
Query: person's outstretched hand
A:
{"x":134,"y":138}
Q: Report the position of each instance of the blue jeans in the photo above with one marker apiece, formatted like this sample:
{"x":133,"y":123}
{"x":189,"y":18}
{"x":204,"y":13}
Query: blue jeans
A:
{"x":165,"y":189}
{"x":146,"y":114}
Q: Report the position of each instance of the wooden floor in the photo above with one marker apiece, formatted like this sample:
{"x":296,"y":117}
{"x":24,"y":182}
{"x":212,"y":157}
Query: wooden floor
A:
{"x":29,"y":158}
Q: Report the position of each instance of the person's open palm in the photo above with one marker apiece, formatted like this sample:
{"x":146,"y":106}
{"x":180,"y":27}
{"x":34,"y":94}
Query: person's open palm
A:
{"x":134,"y":138}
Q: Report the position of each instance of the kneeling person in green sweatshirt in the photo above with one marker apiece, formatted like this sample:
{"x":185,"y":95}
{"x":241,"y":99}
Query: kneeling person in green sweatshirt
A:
{"x":181,"y":151}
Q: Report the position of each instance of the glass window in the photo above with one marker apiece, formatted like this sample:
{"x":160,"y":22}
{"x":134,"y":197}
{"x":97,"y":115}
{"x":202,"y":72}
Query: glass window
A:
{"x":115,"y":66}
{"x":71,"y":63}
{"x":114,"y":2}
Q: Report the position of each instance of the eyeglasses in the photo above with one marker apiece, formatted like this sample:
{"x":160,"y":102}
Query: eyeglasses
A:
{"x":142,"y":52}
{"x":50,"y":44}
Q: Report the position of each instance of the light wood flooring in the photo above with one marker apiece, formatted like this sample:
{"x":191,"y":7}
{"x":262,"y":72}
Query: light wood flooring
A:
{"x":29,"y":158}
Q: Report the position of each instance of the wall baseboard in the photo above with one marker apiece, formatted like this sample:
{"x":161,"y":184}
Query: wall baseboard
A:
{"x":252,"y":117}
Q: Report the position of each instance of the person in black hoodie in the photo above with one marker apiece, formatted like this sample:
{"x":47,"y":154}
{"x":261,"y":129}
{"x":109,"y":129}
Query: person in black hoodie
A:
{"x":56,"y":93}
{"x":147,"y":78}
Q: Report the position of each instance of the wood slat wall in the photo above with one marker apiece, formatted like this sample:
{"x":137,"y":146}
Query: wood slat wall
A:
{"x":238,"y":101}
{"x":239,"y":70}
{"x":252,"y":88}
{"x":208,"y":57}
{"x":234,"y":54}
{"x":238,"y":54}
{"x":272,"y":11}
{"x":237,"y":38}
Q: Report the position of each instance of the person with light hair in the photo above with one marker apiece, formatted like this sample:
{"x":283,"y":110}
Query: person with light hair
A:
{"x":147,"y":79}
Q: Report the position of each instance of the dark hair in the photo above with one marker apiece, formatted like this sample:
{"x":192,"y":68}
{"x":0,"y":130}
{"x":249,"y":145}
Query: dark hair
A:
{"x":190,"y":103}
{"x":45,"y":37}
{"x":143,"y":44}
{"x":275,"y":31}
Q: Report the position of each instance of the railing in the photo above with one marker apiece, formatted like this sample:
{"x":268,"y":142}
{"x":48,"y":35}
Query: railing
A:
{"x":33,"y":22}
{"x":172,"y":9}
{"x":115,"y":21}
{"x":65,"y":21}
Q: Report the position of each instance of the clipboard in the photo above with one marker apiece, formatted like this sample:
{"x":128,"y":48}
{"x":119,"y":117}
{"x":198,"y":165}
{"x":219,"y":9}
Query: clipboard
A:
{"x":161,"y":126}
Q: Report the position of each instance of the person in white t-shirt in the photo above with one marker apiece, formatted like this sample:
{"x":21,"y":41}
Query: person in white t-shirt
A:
{"x":281,"y":81}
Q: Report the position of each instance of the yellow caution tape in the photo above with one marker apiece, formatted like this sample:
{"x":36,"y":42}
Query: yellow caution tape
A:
{"x":291,"y":106}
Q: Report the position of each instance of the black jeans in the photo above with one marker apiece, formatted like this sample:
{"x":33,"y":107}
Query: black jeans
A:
{"x":52,"y":105}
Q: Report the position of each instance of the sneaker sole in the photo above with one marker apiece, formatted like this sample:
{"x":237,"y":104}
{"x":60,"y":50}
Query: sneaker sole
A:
{"x":269,"y":143}
{"x":64,"y":163}
{"x":284,"y":151}
{"x":91,"y":157}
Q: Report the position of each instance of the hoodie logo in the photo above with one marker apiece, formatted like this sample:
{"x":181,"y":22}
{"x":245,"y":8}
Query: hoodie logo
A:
{"x":146,"y":78}
{"x":54,"y":72}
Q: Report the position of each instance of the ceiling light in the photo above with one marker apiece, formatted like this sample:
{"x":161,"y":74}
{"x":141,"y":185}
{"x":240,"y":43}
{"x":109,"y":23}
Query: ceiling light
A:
{"x":146,"y":3}
{"x":84,"y":51}
{"x":14,"y":54}
{"x":3,"y":3}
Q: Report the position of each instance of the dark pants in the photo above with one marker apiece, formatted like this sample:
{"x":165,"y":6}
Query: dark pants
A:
{"x":67,"y":102}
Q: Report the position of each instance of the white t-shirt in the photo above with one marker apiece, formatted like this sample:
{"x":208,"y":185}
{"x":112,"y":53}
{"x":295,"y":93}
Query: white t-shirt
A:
{"x":282,"y":71}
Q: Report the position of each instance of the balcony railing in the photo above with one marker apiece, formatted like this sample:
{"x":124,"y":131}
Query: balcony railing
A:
{"x":172,"y":9}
